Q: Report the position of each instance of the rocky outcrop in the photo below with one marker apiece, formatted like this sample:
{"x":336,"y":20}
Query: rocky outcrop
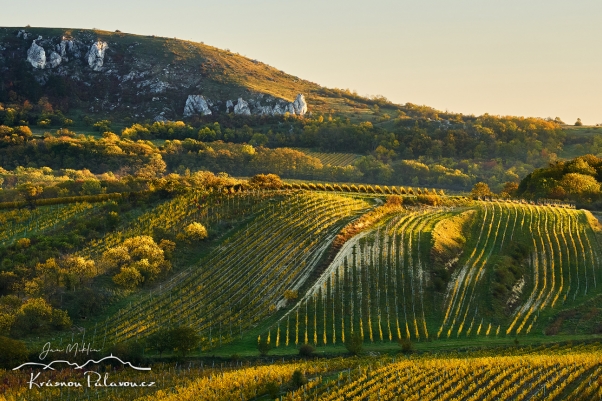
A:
{"x":242,"y":107}
{"x":55,"y":60}
{"x":300,"y":105}
{"x":196,"y":104}
{"x":96,"y":55}
{"x":229,"y":105}
{"x":36,"y":56}
{"x":65,"y":47}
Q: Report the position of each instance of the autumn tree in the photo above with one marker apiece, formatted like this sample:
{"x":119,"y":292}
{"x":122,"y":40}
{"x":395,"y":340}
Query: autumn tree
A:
{"x":195,"y":232}
{"x":576,"y":183}
{"x":266,"y":181}
{"x":138,"y":259}
{"x":36,"y":315}
{"x":510,"y":189}
{"x":480,"y":189}
{"x":30,"y":192}
{"x":155,"y":167}
{"x":184,"y":339}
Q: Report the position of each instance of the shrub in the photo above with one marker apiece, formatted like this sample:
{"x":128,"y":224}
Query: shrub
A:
{"x":184,"y":339}
{"x":306,"y":350}
{"x":273,"y":389}
{"x":406,"y":345}
{"x":354,"y":344}
{"x":394,"y":200}
{"x":298,"y":379}
{"x":196,"y":232}
{"x":263,"y":347}
{"x":129,"y":351}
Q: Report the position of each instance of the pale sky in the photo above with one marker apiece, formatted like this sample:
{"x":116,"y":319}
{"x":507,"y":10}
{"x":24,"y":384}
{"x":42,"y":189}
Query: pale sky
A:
{"x":519,"y":57}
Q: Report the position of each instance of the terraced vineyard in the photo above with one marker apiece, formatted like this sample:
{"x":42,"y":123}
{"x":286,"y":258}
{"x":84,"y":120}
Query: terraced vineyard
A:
{"x":243,"y":281}
{"x":380,"y":284}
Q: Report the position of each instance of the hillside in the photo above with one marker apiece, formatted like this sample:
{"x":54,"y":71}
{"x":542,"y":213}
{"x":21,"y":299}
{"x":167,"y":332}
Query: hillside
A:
{"x":59,"y":83}
{"x":132,"y":77}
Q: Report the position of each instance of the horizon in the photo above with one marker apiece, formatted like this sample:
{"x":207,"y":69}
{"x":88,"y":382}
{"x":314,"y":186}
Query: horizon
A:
{"x":513,"y":59}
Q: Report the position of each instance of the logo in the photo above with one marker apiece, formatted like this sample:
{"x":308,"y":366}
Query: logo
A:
{"x":91,"y":378}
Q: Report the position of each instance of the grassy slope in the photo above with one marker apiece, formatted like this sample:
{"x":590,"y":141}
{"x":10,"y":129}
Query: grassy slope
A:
{"x":222,"y":74}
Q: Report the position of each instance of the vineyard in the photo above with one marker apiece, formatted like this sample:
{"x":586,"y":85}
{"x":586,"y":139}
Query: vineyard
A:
{"x":380,"y":285}
{"x":20,"y":223}
{"x":243,"y":280}
{"x":533,"y":373}
{"x":332,"y":159}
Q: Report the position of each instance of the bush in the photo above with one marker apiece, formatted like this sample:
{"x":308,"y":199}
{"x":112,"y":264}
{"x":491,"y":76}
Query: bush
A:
{"x":263,"y":347}
{"x":306,"y":350}
{"x":129,"y":351}
{"x":184,"y":339}
{"x":394,"y":200}
{"x":273,"y":389}
{"x":354,"y":344}
{"x":298,"y":379}
{"x":196,"y":231}
{"x":406,"y":345}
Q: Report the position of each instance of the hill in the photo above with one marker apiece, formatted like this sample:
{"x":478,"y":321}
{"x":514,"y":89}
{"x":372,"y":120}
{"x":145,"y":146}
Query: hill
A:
{"x":65,"y":82}
{"x":132,"y":78}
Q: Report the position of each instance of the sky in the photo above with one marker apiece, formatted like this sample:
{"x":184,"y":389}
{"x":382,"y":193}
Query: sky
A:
{"x":539,"y":58}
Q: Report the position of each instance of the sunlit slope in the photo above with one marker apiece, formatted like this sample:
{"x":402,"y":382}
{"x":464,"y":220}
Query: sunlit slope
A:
{"x":518,"y":262}
{"x":243,"y":281}
{"x":22,"y":223}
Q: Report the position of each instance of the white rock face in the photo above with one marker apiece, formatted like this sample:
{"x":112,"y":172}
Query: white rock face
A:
{"x":96,"y":55}
{"x":265,"y":111}
{"x":229,"y":105}
{"x":242,"y":107}
{"x":196,"y":104}
{"x":55,"y":60}
{"x":300,"y":105}
{"x":278,"y":109}
{"x":36,"y":56}
{"x":289,"y":108}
